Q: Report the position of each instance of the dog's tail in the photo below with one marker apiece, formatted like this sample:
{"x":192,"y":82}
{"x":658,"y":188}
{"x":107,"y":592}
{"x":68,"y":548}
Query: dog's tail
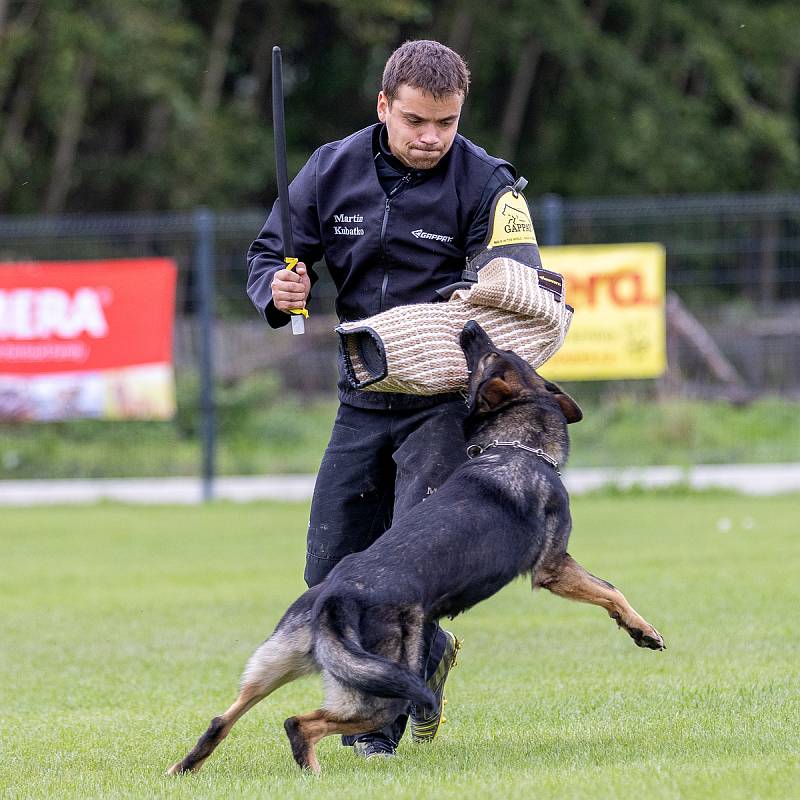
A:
{"x":340,"y":652}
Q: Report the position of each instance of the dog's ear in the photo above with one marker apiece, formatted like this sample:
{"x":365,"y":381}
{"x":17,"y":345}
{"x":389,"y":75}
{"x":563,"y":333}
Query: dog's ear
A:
{"x":569,"y":408}
{"x":493,"y":394}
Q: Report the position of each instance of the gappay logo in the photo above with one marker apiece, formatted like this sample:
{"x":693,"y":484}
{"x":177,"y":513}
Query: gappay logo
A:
{"x":511,"y":221}
{"x":517,"y":220}
{"x":436,"y":237}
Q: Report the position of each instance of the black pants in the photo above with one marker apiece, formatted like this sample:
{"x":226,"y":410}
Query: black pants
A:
{"x":379,"y":464}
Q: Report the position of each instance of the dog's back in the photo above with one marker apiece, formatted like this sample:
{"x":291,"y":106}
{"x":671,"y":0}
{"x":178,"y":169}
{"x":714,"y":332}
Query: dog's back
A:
{"x":494,"y":519}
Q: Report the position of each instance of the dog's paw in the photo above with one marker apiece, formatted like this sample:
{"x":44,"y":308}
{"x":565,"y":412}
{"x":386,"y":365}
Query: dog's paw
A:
{"x":642,"y":633}
{"x":650,"y":639}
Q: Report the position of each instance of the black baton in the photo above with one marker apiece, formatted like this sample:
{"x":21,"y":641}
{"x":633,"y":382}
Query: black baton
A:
{"x":282,"y":175}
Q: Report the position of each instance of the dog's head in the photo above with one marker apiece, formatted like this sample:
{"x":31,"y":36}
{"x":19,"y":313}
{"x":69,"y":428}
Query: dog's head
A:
{"x":500,"y":378}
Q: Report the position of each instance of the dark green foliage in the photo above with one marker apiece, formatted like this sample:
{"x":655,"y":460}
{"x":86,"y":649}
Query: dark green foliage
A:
{"x":160,"y":104}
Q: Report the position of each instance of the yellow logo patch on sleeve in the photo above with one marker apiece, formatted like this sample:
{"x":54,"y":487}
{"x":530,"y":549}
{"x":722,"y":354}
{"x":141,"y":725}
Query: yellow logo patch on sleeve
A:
{"x":510,"y":220}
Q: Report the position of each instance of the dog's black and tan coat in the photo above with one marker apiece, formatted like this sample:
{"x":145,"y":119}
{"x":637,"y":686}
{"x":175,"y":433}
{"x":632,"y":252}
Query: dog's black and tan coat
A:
{"x":502,"y":514}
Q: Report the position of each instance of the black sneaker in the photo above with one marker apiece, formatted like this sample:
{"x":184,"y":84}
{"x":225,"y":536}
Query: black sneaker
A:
{"x":374,"y":747}
{"x":425,"y":721}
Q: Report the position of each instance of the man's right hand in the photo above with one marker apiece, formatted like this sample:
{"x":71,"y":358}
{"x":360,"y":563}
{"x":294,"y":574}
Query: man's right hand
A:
{"x":290,"y":288}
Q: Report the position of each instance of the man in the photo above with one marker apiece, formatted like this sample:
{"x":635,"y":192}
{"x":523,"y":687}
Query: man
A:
{"x":395,"y":209}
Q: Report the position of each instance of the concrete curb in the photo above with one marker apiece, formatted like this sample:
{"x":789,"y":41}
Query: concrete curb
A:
{"x":752,"y":479}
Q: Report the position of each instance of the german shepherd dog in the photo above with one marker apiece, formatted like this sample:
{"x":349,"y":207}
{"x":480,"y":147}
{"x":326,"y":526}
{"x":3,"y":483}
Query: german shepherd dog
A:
{"x":503,"y":513}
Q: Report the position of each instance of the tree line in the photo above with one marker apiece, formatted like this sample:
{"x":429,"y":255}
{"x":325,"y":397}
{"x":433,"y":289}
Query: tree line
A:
{"x":164,"y":104}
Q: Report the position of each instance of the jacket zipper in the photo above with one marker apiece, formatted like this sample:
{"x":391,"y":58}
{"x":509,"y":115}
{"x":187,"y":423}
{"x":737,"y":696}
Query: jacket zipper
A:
{"x":395,"y":189}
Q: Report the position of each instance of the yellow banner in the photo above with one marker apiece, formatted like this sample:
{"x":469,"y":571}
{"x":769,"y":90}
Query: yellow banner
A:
{"x":618,"y":330}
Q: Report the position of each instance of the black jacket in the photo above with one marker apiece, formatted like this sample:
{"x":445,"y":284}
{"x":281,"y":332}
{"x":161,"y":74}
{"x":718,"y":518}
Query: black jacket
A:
{"x":382,"y":248}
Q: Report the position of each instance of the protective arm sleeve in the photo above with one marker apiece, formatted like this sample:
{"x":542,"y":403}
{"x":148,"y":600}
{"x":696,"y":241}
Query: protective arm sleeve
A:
{"x":264,"y":258}
{"x":476,"y":236}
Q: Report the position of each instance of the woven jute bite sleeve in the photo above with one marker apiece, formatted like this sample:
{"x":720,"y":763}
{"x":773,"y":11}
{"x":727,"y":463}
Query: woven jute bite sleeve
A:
{"x":415,"y":349}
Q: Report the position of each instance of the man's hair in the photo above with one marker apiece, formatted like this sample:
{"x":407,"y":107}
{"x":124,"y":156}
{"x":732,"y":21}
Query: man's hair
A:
{"x":426,"y":65}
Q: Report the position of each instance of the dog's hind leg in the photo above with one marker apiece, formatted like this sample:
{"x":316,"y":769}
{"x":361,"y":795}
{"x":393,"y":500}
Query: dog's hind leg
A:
{"x":567,"y":578}
{"x":217,"y":731}
{"x":286,"y":655}
{"x":306,"y":731}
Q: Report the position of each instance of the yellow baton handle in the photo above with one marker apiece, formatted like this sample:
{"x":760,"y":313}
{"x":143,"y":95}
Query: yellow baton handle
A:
{"x":291,"y":263}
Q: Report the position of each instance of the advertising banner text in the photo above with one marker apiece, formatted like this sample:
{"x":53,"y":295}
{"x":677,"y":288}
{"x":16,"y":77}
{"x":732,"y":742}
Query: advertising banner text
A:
{"x":618,"y":330}
{"x":87,"y":339}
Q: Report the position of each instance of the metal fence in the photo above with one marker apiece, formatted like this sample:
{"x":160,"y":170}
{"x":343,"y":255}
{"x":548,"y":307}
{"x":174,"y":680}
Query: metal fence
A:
{"x":734,"y":261}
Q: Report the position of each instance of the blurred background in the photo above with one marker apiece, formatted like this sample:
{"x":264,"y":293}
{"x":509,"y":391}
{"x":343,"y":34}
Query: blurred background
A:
{"x":143,"y":128}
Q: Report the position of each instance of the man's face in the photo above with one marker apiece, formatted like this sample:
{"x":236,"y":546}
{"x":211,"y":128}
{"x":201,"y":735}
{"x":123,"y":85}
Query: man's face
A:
{"x":421,"y":129}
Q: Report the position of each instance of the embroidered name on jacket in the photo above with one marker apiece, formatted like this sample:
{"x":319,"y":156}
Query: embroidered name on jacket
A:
{"x":437,"y":237}
{"x":347,"y":225}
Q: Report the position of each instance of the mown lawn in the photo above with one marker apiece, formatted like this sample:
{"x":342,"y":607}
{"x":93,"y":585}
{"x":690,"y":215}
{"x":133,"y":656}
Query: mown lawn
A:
{"x":123,"y":631}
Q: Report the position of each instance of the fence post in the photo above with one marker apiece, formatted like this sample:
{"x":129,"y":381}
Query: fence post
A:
{"x":204,"y":287}
{"x":553,"y":220}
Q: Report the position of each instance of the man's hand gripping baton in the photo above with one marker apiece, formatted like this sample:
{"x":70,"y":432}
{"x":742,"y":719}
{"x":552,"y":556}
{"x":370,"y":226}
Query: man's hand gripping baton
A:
{"x":282,"y":174}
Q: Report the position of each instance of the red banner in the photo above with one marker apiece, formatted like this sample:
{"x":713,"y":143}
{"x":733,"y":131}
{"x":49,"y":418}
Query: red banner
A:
{"x":87,"y":339}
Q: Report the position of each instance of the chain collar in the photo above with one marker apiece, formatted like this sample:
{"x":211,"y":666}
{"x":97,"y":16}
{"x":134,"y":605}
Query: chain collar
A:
{"x":475,"y":450}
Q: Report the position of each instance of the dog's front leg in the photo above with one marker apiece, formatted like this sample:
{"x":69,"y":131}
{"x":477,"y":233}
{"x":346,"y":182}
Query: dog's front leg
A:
{"x":567,"y":578}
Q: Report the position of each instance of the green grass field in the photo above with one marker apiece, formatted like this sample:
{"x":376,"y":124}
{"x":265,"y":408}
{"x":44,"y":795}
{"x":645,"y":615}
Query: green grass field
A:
{"x":124,"y":631}
{"x":261,"y":434}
